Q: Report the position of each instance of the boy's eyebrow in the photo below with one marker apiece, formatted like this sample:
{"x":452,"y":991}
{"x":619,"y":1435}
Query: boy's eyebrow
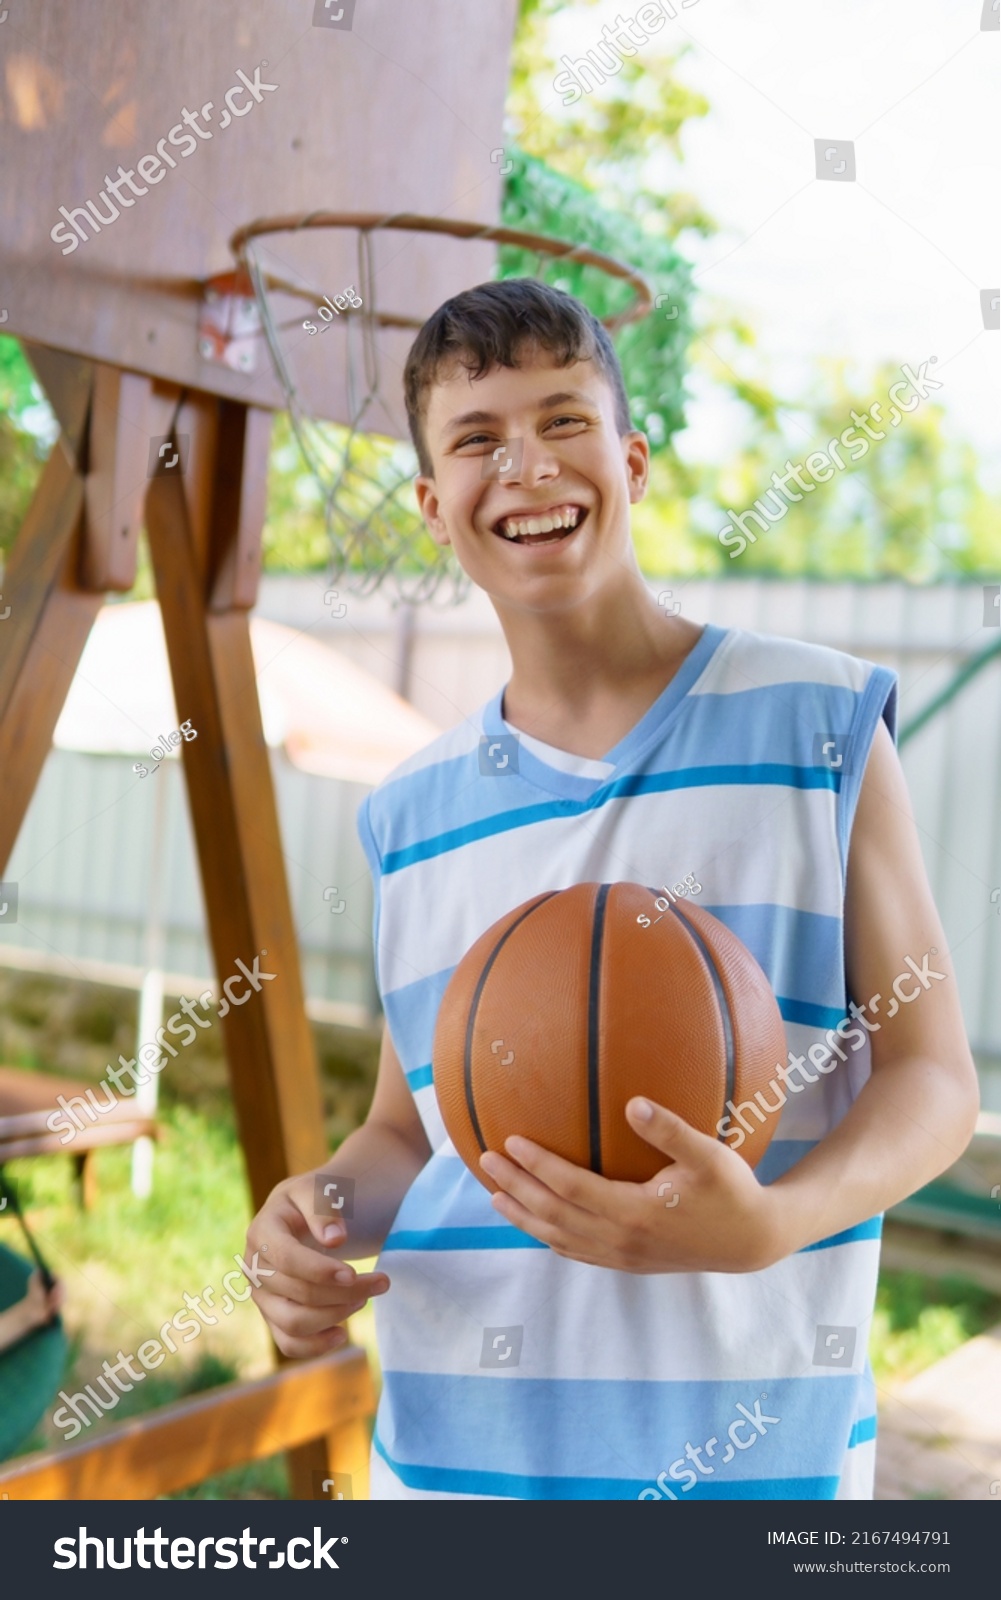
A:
{"x":561,"y":398}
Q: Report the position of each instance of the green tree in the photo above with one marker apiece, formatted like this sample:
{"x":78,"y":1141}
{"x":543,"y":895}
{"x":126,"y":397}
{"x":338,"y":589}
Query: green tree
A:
{"x":913,"y":507}
{"x":22,"y":452}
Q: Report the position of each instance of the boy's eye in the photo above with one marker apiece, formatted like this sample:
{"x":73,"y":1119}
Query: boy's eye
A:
{"x":485,"y":438}
{"x":573,"y":421}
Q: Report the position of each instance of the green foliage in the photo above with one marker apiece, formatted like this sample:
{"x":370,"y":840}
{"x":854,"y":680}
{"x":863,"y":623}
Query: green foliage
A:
{"x":187,"y":1230}
{"x":598,"y":172}
{"x":295,"y":538}
{"x":614,"y":139}
{"x":18,"y":388}
{"x":127,"y":1265}
{"x":912,"y":507}
{"x":376,"y":479}
{"x":652,"y":351}
{"x":919,"y":1320}
{"x":22,"y":453}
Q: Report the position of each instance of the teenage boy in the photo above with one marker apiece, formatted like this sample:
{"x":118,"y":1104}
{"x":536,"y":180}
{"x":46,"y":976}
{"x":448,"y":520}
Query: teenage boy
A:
{"x":573,"y":1337}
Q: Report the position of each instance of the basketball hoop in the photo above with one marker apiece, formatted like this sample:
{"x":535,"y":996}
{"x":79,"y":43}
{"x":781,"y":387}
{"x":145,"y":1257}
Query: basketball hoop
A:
{"x":365,"y":477}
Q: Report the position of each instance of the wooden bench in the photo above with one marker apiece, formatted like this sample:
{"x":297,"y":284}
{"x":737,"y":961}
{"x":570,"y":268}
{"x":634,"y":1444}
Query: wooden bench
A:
{"x":28,"y":1100}
{"x":191,"y":1440}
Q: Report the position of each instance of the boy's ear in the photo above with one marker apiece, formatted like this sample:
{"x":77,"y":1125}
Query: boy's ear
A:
{"x":637,"y":455}
{"x":427,"y":500}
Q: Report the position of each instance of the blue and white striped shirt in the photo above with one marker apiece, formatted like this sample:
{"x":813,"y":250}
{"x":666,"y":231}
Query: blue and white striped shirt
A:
{"x":620,"y":1386}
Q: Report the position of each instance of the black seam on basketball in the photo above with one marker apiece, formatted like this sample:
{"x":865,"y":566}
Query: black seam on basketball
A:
{"x":593,"y":1019}
{"x":724,"y":1012}
{"x":467,"y":1059}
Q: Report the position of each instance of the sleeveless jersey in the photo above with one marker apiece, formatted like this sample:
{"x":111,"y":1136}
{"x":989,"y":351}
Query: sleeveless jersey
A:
{"x":509,"y":1371}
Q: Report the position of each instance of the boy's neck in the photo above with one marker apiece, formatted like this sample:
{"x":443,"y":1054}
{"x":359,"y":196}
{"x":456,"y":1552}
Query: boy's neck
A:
{"x":582,"y":678}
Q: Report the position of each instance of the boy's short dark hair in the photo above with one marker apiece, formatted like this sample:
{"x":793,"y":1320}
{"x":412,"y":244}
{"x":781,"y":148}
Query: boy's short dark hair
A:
{"x":487,"y":326}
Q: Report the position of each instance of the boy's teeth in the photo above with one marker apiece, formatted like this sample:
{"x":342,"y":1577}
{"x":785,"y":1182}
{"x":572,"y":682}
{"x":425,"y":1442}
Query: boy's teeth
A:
{"x":553,"y":520}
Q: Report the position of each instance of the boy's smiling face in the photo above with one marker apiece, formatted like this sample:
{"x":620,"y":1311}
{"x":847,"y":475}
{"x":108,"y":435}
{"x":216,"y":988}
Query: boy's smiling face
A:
{"x":517,"y":449}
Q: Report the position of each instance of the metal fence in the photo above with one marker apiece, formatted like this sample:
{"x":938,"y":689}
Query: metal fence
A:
{"x":97,"y":870}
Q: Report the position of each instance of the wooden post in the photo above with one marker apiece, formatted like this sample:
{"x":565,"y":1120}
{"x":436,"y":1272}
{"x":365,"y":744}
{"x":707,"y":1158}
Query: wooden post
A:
{"x":78,"y":538}
{"x":204,"y":514}
{"x":193,"y":518}
{"x":205,"y":526}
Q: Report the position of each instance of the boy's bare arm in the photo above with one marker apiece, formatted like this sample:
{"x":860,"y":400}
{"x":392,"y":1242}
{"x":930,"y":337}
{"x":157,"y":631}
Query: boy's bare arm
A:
{"x":917,"y":1113}
{"x":913,"y":1118}
{"x":309,"y":1288}
{"x":383,"y":1156}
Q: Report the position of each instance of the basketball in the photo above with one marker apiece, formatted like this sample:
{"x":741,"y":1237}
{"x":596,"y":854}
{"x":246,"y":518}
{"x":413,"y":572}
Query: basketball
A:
{"x":581,"y":998}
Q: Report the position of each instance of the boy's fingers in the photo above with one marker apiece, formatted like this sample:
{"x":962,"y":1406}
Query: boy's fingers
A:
{"x":324,"y":1228}
{"x":302,"y":1330}
{"x":299,"y":1349}
{"x":668,"y":1132}
{"x":328,"y":1295}
{"x":298,"y":1308}
{"x":307,"y":1322}
{"x":283,"y":1241}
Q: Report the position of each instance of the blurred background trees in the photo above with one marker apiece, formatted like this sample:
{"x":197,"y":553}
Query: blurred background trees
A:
{"x":604,"y":171}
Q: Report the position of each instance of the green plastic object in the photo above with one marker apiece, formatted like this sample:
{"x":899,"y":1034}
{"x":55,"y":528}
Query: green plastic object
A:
{"x":30,"y":1371}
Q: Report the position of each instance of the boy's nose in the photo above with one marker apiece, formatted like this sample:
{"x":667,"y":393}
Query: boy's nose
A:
{"x":526,"y":461}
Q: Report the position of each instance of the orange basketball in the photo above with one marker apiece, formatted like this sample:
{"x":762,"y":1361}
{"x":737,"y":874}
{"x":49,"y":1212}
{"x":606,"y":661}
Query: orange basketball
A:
{"x":577,"y":1000}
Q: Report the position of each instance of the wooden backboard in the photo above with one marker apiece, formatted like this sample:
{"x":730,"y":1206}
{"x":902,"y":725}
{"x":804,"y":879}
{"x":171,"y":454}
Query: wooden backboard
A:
{"x":378,"y":105}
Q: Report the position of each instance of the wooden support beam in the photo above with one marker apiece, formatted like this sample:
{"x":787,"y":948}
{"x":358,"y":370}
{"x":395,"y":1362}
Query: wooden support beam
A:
{"x":241,"y":497}
{"x":67,"y":381}
{"x":42,"y":639}
{"x":34,"y":564}
{"x":204,"y":515}
{"x":118,"y":469}
{"x":78,"y":539}
{"x":190,"y":1441}
{"x":205,"y":536}
{"x":194,"y":522}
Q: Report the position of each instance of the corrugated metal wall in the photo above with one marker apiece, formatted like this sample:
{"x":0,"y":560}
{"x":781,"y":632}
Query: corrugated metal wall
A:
{"x":87,"y":862}
{"x":83,"y":860}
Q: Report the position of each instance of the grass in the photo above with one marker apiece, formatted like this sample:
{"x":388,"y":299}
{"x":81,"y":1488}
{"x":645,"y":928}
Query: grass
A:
{"x":919,"y":1320}
{"x":127,"y":1265}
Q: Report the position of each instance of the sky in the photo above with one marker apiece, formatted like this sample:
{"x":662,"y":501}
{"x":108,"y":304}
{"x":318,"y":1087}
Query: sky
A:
{"x":886,"y":267}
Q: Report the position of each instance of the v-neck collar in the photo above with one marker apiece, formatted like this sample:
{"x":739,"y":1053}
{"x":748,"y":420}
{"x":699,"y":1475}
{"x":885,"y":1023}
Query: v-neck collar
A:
{"x":536,"y":769}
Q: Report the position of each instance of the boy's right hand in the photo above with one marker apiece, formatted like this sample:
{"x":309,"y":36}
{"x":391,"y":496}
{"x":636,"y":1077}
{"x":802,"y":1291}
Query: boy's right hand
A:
{"x":312,"y":1291}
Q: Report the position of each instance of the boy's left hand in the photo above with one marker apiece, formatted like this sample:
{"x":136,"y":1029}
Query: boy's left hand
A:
{"x":705,"y":1211}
